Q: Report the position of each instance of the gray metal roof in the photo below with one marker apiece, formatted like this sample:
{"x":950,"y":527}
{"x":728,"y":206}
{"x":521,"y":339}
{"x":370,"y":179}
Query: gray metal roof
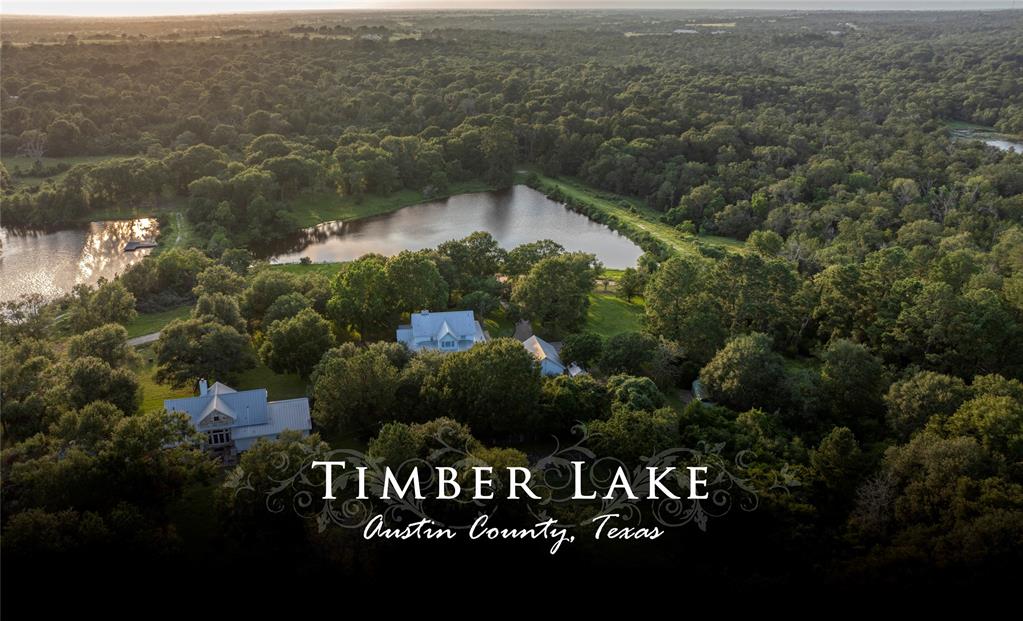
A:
{"x":248,"y":407}
{"x":541,"y":349}
{"x":429,"y":329}
{"x":431,"y":325}
{"x":287,"y":414}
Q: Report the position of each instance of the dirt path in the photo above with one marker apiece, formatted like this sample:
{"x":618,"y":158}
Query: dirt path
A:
{"x":523,"y":329}
{"x":145,"y":339}
{"x":180,"y":223}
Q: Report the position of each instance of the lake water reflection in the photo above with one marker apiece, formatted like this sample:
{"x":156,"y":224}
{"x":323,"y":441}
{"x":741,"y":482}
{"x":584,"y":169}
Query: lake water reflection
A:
{"x":514,"y":216}
{"x":51,"y":263}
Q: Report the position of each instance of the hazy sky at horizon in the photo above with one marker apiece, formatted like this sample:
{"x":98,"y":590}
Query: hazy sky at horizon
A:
{"x":196,"y":7}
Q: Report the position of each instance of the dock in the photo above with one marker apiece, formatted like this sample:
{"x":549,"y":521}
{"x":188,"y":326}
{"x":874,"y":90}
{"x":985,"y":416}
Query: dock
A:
{"x":136,"y":244}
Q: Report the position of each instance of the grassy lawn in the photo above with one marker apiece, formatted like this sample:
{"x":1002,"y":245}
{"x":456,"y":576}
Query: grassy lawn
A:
{"x":153,"y":392}
{"x":313,"y":208}
{"x":610,"y":274}
{"x":498,"y":325}
{"x":609,"y":315}
{"x":278,"y":386}
{"x":325,"y":269}
{"x":635,"y":213}
{"x":147,"y":323}
{"x":13,"y":163}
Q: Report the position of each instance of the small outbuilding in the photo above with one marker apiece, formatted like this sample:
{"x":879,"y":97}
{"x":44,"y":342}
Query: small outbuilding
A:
{"x":546,"y":354}
{"x":700,"y":392}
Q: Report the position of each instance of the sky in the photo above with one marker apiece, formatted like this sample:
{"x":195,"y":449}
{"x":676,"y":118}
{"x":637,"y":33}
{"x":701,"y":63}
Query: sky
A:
{"x":194,"y":7}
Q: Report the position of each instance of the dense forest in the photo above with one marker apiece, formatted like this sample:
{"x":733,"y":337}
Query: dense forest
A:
{"x":860,"y":333}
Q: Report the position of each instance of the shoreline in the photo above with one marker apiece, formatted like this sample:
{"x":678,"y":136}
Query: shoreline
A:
{"x":636,"y":222}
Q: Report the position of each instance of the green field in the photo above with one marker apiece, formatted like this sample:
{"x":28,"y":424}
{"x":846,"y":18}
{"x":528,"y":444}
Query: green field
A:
{"x":313,"y":208}
{"x":637,"y":215}
{"x":278,"y":386}
{"x":24,"y":164}
{"x":147,"y":323}
{"x":609,"y":315}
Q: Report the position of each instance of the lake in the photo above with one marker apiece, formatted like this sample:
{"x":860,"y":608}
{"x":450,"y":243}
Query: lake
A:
{"x":990,"y":138}
{"x":1004,"y":145}
{"x":514,"y":216}
{"x":53,"y":262}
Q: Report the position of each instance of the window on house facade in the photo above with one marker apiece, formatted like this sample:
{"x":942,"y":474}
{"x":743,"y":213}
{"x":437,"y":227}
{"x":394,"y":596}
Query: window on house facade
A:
{"x":447,"y":344}
{"x":216,"y":438}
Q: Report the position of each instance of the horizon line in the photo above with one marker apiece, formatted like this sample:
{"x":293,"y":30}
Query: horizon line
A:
{"x":513,"y":10}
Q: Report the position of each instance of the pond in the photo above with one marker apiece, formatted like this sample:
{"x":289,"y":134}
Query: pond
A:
{"x":52,"y":262}
{"x":514,"y":216}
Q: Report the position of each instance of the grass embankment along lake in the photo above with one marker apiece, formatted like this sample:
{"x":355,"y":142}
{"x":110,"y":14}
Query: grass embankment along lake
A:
{"x":979,"y":129}
{"x":324,"y":269}
{"x":635,"y":214}
{"x":175,"y":229}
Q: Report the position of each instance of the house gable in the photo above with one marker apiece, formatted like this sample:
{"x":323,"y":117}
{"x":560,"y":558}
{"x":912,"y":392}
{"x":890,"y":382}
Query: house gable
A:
{"x":233,"y":421}
{"x":216,"y":418}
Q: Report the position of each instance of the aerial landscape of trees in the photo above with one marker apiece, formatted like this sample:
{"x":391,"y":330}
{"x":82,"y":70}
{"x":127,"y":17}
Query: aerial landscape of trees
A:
{"x":839,"y":272}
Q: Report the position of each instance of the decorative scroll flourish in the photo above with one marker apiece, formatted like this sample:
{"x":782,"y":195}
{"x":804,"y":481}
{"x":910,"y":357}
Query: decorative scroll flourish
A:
{"x":729,"y":485}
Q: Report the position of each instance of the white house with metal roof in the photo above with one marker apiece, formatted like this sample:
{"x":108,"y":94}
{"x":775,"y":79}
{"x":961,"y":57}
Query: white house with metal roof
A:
{"x":444,"y":331}
{"x":234,"y":420}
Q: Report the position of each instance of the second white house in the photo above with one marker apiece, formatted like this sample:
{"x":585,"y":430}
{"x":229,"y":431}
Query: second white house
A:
{"x":443,"y":331}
